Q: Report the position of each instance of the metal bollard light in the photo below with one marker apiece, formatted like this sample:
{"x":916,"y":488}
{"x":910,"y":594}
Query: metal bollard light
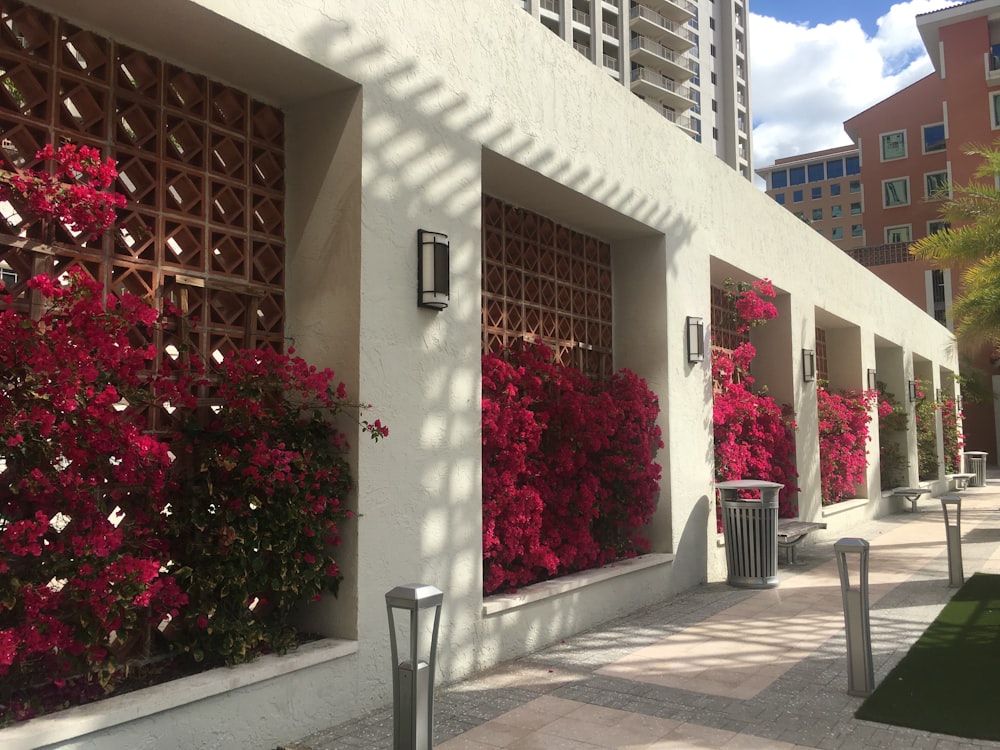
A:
{"x":413,"y":678}
{"x":860,"y":671}
{"x":953,"y":534}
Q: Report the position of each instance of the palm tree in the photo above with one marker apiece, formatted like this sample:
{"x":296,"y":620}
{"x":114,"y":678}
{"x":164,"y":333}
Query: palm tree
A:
{"x":972,"y":242}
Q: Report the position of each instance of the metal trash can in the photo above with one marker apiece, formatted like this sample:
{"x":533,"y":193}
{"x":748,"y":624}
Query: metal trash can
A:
{"x":975,"y":463}
{"x":750,"y":530}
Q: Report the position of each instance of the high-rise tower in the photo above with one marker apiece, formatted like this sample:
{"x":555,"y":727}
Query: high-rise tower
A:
{"x":685,"y":58}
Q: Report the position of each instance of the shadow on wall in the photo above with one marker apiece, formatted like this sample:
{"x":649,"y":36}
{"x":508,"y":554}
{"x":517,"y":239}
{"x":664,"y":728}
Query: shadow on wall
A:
{"x":404,"y":100}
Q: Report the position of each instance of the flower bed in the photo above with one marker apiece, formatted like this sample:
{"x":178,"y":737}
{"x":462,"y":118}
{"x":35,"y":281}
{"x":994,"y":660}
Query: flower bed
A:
{"x":569,"y":478}
{"x":113,"y":537}
{"x":754,"y":435}
{"x":844,"y":418}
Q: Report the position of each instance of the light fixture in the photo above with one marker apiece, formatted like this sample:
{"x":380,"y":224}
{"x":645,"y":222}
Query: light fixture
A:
{"x":432,"y":270}
{"x":808,"y":365}
{"x":872,"y":380}
{"x":938,"y":395}
{"x":911,"y":388}
{"x":695,"y":339}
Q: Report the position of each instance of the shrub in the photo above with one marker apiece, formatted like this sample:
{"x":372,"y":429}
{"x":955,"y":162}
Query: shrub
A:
{"x":892,"y":421}
{"x":843,"y":437}
{"x":568,"y":472}
{"x":754,"y":436}
{"x":928,"y":462}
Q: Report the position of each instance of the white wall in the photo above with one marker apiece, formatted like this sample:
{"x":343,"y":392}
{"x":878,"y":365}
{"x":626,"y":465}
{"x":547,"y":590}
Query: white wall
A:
{"x":398,"y":115}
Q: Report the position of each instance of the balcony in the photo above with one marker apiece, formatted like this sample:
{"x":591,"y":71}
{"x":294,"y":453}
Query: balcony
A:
{"x":647,"y":22}
{"x":682,"y":121}
{"x":610,"y":30}
{"x":581,"y":18}
{"x":552,"y":6}
{"x":992,"y":63}
{"x":654,"y":55}
{"x":611,"y":63}
{"x":583,"y":49}
{"x":651,"y":85}
{"x":680,"y":11}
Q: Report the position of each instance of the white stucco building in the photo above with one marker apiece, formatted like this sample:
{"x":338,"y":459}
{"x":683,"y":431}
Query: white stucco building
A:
{"x":398,"y":117}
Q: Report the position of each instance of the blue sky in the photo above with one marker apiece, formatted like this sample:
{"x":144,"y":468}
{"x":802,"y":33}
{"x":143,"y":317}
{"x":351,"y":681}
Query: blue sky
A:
{"x":814,"y":12}
{"x":816,"y":63}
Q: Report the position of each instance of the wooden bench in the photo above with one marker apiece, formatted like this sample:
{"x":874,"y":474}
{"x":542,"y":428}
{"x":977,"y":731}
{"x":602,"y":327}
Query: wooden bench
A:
{"x":910,"y":493}
{"x":791,"y":532}
{"x":962,"y":480}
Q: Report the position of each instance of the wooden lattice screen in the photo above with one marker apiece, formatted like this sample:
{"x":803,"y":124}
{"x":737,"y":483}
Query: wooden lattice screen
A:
{"x":545,"y":282}
{"x":725,"y":321}
{"x":201,"y":163}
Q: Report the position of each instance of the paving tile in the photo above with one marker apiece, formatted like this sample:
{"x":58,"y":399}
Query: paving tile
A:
{"x":718,"y":667}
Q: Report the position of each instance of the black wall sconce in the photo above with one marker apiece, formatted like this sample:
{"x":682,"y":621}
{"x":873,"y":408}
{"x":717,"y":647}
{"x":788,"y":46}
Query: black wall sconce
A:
{"x":938,"y":395}
{"x":911,"y":388}
{"x":695,"y":339}
{"x":432,"y":270}
{"x":808,"y":365}
{"x":872,"y":380}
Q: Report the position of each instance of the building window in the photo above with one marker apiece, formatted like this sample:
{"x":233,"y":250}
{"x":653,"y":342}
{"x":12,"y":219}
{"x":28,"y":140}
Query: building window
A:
{"x":835,"y":189}
{"x":933,"y":227}
{"x":779,"y":179}
{"x":897,"y":234}
{"x":800,"y":215}
{"x":817,"y":214}
{"x":819,"y":231}
{"x":816,"y":172}
{"x":837,"y":233}
{"x":854,"y":186}
{"x":939,"y":296}
{"x":8,"y":276}
{"x":796,"y":196}
{"x":936,"y":184}
{"x":835,"y":169}
{"x":715,"y":105}
{"x":779,"y":198}
{"x":853,"y":164}
{"x":894,"y":145}
{"x":711,"y":50}
{"x":896,"y":192}
{"x":817,"y":192}
{"x":711,"y":23}
{"x":714,"y":78}
{"x":855,"y":209}
{"x":797,"y":175}
{"x":836,"y":211}
{"x":715,"y":133}
{"x":856,"y":230}
{"x":995,"y":109}
{"x":933,"y":137}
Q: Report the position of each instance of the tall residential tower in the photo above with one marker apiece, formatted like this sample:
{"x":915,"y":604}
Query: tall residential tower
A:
{"x":685,"y":58}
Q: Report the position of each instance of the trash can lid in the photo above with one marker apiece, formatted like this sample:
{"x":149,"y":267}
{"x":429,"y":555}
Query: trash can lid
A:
{"x":747,"y":484}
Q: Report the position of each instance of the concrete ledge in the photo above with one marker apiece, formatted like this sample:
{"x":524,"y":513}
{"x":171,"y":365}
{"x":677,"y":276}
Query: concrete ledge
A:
{"x":493,"y":605}
{"x":831,"y":510}
{"x":81,"y":720}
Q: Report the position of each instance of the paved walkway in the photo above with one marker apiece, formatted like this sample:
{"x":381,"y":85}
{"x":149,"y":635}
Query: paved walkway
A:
{"x":720,"y":667}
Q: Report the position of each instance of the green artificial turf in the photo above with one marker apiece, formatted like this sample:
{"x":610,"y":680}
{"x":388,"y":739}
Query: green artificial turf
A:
{"x":948,"y":681}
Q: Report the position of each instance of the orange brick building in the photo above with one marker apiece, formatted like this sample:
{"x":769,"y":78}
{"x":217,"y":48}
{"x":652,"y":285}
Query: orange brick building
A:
{"x":911,"y":145}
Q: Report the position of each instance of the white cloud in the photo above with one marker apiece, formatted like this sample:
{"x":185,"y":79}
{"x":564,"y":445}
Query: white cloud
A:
{"x":806,"y":80}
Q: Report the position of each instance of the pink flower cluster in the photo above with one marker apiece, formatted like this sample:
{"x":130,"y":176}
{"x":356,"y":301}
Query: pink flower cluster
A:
{"x":106,"y":528}
{"x":75,"y":192}
{"x":569,"y":479}
{"x":844,"y":420}
{"x":754,"y":436}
